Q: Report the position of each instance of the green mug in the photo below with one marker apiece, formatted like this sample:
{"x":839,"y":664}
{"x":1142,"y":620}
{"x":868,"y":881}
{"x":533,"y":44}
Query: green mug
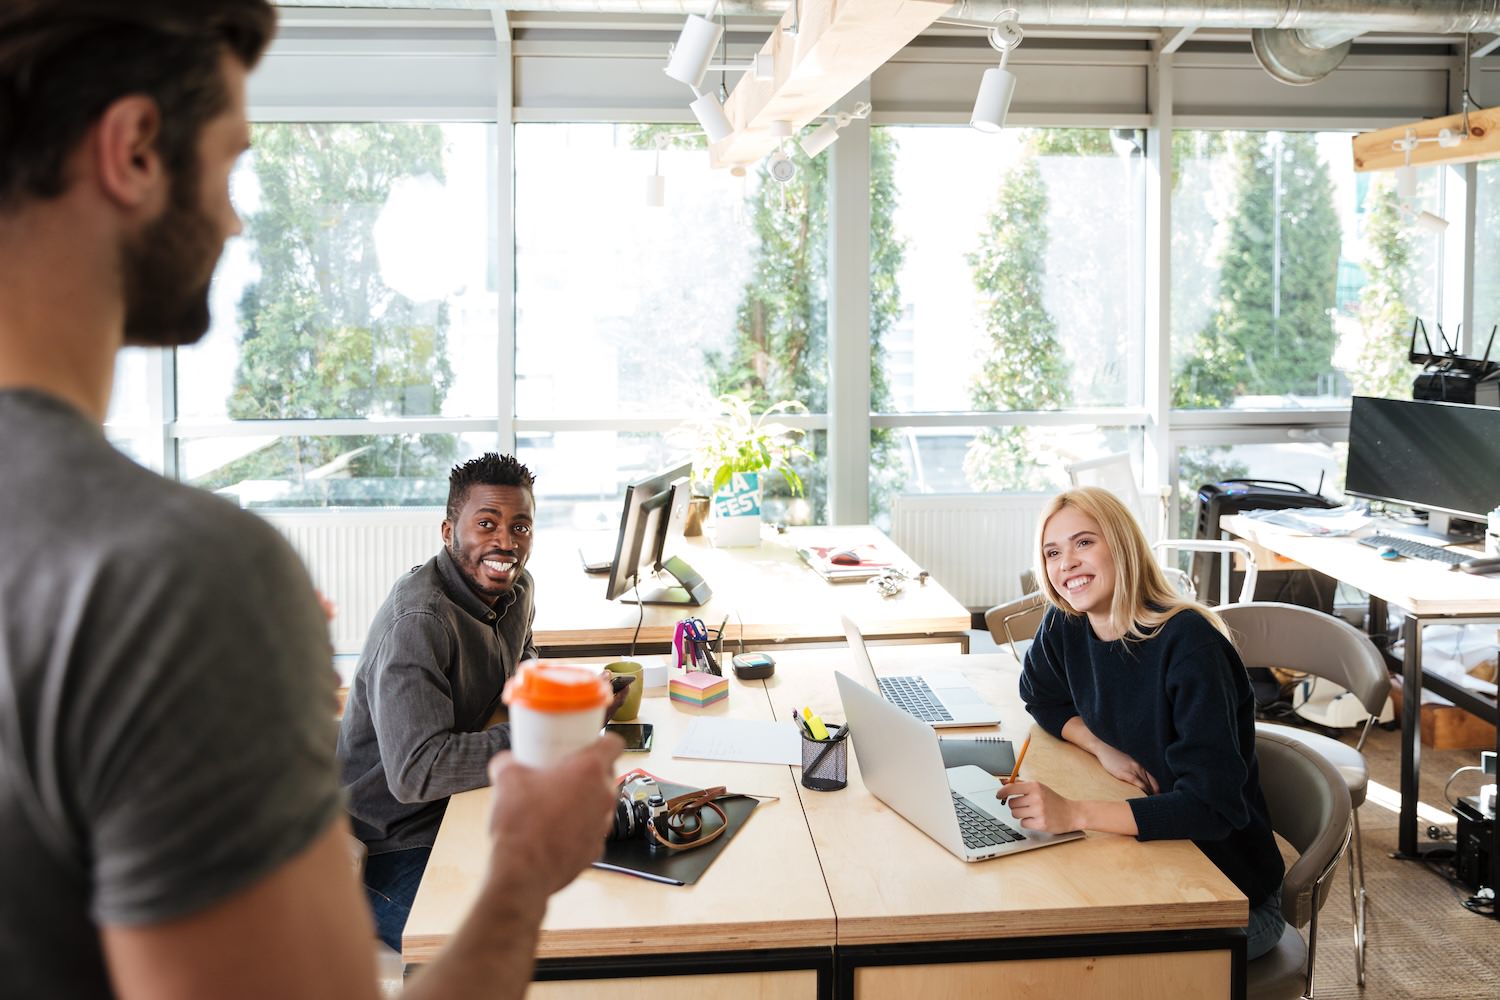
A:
{"x":632,"y":704}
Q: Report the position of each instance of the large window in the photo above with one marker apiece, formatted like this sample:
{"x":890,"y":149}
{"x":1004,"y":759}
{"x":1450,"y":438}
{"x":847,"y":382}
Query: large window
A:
{"x":1294,"y":280}
{"x":363,"y":288}
{"x":389,"y":311}
{"x":626,"y":310}
{"x":1016,"y":262}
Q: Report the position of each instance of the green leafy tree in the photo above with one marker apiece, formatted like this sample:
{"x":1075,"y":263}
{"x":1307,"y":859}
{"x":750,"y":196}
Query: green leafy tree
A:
{"x":322,"y":335}
{"x":1385,"y":320}
{"x":1487,"y":252}
{"x":1023,"y":367}
{"x":1272,"y":332}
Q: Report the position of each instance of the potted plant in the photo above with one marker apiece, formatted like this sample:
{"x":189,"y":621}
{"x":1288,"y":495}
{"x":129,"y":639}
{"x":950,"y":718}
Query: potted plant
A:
{"x":733,"y":449}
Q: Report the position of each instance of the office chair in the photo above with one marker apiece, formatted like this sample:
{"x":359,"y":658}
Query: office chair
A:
{"x":1116,"y":473}
{"x":1015,"y":622}
{"x":1310,"y":809}
{"x":1311,"y":642}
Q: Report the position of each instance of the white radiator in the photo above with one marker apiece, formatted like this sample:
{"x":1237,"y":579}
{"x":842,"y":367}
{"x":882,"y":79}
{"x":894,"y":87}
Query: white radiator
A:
{"x":975,"y":544}
{"x":355,"y":554}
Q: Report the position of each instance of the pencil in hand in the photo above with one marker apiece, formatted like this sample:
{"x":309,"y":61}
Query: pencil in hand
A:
{"x":1016,"y":771}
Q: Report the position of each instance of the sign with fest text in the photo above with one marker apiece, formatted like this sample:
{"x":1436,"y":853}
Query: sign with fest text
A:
{"x":740,"y":497}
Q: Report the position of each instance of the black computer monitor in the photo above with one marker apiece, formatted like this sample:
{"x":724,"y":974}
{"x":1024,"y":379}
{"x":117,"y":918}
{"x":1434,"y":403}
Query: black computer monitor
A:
{"x":1443,"y":458}
{"x":650,"y":525}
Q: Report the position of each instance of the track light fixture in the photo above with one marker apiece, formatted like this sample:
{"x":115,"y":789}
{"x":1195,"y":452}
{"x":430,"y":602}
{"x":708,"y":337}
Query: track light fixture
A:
{"x":710,"y":114}
{"x":656,"y":184}
{"x":1406,"y":178}
{"x":827,"y":134}
{"x":762,"y":67}
{"x":999,"y":84}
{"x":688,"y":60}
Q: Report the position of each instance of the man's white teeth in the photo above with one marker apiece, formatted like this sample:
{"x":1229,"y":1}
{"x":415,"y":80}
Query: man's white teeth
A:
{"x":498,"y":566}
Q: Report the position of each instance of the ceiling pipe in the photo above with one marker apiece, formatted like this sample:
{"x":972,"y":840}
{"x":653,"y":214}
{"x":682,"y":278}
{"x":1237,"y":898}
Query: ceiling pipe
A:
{"x":1296,"y":41}
{"x":1419,"y":16}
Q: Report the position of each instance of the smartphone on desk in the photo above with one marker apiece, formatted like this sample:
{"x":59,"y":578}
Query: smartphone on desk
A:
{"x":637,"y":735}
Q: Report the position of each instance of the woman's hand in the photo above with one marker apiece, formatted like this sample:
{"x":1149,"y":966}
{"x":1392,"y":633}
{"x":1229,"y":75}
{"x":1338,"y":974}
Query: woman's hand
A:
{"x":1040,"y":808}
{"x":1125,"y":767}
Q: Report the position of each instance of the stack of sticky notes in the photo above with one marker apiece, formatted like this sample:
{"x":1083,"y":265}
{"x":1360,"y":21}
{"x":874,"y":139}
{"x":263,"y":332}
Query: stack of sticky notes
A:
{"x":698,"y":689}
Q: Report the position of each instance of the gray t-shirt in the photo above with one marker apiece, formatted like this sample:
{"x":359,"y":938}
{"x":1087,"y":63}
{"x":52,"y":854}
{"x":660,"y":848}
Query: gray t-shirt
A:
{"x":166,"y":699}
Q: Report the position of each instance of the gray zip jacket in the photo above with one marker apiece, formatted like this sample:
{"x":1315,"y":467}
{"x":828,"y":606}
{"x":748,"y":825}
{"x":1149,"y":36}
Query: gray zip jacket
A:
{"x":429,"y":679}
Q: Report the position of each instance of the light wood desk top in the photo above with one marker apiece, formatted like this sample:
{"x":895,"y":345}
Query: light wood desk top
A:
{"x":764,"y":891}
{"x":812,"y":855}
{"x":1422,"y":587}
{"x":765,"y":590}
{"x":891,"y":883}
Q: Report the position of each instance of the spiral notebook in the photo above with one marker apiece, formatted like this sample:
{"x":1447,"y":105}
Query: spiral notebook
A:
{"x":990,"y":753}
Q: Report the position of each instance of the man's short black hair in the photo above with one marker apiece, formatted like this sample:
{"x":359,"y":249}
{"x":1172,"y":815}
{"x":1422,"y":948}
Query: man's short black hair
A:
{"x":489,"y":469}
{"x":63,"y":62}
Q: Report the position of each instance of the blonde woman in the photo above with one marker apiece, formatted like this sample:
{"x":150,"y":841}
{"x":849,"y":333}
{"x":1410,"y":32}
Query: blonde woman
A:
{"x":1149,"y":683}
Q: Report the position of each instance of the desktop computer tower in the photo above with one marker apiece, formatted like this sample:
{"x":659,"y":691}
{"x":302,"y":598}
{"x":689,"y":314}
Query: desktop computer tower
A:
{"x":1233,"y":496}
{"x":1472,"y":855}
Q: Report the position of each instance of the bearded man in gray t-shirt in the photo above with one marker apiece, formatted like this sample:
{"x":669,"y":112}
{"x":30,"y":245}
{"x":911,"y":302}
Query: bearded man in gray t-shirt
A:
{"x":170,"y":819}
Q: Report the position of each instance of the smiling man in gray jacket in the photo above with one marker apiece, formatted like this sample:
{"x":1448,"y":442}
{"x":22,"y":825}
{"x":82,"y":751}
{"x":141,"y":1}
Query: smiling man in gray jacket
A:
{"x":438,"y":654}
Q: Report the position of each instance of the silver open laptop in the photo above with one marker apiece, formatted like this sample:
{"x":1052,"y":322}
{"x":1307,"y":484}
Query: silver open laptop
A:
{"x":939,"y":698}
{"x":902,"y":766}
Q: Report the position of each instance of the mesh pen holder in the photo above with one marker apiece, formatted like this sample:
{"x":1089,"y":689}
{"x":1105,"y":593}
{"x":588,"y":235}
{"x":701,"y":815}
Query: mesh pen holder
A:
{"x":825,"y":763}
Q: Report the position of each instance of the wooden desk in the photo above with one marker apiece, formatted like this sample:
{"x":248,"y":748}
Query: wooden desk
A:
{"x":765,"y":591}
{"x":757,"y":924}
{"x":838,"y":875}
{"x":1106,"y":916}
{"x":1427,"y":592}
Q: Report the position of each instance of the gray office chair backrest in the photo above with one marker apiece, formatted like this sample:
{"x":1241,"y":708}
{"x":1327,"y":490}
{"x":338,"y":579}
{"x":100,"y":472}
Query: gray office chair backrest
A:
{"x":1297,"y":638}
{"x":1310,"y":809}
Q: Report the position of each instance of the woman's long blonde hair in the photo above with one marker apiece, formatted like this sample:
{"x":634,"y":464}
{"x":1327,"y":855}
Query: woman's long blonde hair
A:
{"x":1143,"y":598}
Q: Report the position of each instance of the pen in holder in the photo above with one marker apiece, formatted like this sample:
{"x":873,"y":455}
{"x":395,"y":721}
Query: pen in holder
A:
{"x":825,"y":763}
{"x":692,"y":647}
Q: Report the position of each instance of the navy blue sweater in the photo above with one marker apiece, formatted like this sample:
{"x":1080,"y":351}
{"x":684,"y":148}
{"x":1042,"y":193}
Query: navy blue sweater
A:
{"x":1179,"y":702}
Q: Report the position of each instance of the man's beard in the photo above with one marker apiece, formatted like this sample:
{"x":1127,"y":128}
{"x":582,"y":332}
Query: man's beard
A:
{"x":167,"y":270}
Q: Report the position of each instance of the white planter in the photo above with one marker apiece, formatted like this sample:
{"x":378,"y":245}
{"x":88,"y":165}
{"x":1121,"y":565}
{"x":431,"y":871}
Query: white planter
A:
{"x":737,"y":512}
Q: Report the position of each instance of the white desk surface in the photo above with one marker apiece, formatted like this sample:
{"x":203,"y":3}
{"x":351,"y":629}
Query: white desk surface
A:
{"x":1422,"y":587}
{"x":766,"y":591}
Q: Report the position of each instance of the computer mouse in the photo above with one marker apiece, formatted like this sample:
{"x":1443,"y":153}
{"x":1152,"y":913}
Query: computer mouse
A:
{"x":844,"y":557}
{"x":1390,"y":552}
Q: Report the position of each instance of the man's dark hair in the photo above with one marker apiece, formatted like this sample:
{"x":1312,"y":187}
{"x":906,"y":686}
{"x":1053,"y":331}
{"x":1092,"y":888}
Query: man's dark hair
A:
{"x":63,"y":62}
{"x":489,"y":469}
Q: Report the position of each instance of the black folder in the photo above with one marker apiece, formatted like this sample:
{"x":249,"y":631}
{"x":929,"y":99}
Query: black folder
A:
{"x":637,"y":857}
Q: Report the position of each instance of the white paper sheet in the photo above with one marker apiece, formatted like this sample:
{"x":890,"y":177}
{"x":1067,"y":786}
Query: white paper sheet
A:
{"x":746,"y":740}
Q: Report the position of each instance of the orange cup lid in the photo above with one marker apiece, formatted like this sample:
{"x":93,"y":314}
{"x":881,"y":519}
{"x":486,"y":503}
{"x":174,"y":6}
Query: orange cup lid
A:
{"x":556,"y":687}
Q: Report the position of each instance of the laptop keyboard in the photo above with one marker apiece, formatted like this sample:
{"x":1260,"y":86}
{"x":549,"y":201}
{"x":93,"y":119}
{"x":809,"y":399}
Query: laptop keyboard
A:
{"x":981,"y":830}
{"x":914,"y":696}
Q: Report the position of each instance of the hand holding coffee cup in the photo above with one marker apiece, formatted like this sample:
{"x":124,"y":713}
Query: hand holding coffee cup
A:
{"x":555,"y":709}
{"x":625,"y":677}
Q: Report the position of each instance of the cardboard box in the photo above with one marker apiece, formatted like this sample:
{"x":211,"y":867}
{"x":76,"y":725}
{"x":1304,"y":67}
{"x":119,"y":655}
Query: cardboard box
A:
{"x":1448,"y":727}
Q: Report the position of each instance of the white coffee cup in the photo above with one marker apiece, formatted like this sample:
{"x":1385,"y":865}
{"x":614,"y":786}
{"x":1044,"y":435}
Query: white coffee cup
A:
{"x":555,"y":709}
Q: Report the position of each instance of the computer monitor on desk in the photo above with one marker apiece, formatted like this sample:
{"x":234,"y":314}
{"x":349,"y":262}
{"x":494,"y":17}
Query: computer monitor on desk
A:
{"x":1443,"y":458}
{"x":650,"y":527}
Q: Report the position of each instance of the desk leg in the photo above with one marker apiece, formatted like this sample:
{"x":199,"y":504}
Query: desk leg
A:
{"x":1411,"y":737}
